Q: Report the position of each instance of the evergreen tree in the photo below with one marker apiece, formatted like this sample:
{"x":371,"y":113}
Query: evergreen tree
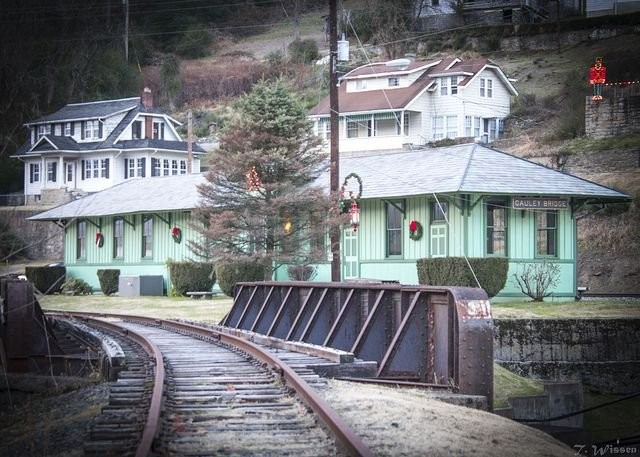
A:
{"x":262,"y":199}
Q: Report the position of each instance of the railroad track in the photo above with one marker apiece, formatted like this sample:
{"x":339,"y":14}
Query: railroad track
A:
{"x":212,"y":394}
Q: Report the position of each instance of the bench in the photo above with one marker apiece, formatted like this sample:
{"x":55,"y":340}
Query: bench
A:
{"x":196,"y":295}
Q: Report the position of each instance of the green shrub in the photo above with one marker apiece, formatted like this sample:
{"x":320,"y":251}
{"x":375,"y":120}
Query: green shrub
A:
{"x":46,"y":279}
{"x":108,"y":281}
{"x":191,"y":276}
{"x":76,"y":286}
{"x":454,"y":271}
{"x":303,"y":51}
{"x":230,"y":273}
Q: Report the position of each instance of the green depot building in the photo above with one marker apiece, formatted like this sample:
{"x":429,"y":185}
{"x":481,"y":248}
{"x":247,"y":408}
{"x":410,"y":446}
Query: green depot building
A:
{"x":467,"y":200}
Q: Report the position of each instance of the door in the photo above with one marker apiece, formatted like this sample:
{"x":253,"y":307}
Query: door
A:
{"x":350,"y":267}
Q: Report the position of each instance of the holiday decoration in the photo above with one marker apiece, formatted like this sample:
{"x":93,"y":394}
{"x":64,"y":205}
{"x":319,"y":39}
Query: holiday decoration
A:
{"x":597,"y":77}
{"x":415,"y":230}
{"x":349,"y":197}
{"x":354,"y":212}
{"x":176,"y":233}
{"x":253,"y":180}
{"x":99,"y":240}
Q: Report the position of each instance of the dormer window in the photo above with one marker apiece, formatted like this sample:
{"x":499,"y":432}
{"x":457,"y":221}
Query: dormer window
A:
{"x":43,"y":130}
{"x":394,"y":81}
{"x":158,"y":130}
{"x":136,"y":130}
{"x":449,"y":85}
{"x":92,"y":130}
{"x":67,"y":129}
{"x":361,"y":84}
{"x":486,"y":88}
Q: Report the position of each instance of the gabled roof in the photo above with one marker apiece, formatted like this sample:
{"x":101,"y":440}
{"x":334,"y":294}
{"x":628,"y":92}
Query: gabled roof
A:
{"x":89,"y":110}
{"x":468,"y":168}
{"x":401,"y":97}
{"x":138,"y":195}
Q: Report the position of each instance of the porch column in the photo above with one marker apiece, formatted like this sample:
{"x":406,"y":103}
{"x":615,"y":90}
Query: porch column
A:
{"x":61,"y":175}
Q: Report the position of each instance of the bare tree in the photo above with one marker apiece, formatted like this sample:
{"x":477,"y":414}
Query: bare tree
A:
{"x":537,"y":280}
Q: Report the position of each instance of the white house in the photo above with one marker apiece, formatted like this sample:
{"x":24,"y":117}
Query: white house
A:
{"x":88,"y":147}
{"x":404,"y":102}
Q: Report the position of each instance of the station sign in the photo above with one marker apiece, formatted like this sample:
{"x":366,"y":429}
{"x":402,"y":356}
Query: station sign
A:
{"x":540,"y":203}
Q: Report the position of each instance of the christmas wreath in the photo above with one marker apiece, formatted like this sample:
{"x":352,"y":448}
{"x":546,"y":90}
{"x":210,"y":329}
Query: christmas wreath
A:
{"x":99,"y":240}
{"x":176,"y":233}
{"x":415,"y":230}
{"x":346,"y":199}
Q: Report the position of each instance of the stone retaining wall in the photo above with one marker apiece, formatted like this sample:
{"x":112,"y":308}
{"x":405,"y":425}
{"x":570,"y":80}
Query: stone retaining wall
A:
{"x":601,"y":353}
{"x":45,"y":240}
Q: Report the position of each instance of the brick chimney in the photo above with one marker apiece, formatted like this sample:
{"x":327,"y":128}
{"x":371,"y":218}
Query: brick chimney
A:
{"x":147,"y":99}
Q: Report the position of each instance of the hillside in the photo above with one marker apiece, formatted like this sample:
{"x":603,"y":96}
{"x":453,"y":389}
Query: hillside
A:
{"x":549,"y":112}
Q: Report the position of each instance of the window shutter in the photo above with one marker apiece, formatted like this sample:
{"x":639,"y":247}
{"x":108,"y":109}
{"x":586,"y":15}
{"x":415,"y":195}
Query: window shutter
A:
{"x":106,"y":168}
{"x":31,"y":173}
{"x":126,"y":168}
{"x":144,"y":167}
{"x":153,"y":166}
{"x":82,"y":165}
{"x":82,"y":127}
{"x":100,"y":128}
{"x":54,"y":170}
{"x":73,"y":128}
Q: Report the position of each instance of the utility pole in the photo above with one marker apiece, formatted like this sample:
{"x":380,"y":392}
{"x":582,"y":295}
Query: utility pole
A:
{"x":335,"y":132}
{"x":126,"y":30}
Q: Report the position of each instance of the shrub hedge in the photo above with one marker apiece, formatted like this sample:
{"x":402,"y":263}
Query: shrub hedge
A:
{"x":76,"y":286}
{"x":46,"y":279}
{"x":454,"y":271}
{"x":191,"y":276}
{"x":108,"y":281}
{"x":230,"y":273}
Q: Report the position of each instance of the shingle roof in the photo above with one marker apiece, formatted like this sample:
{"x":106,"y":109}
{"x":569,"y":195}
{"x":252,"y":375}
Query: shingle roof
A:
{"x":400,"y":97}
{"x":138,"y":195}
{"x":468,"y":169}
{"x":89,"y":110}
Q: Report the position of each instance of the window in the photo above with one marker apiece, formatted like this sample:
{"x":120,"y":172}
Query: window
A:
{"x":96,"y":168}
{"x":104,"y":168}
{"x":454,"y":85}
{"x":452,"y":126}
{"x":81,"y":238}
{"x":476,"y":127}
{"x":493,"y":129}
{"x":407,"y":122}
{"x":361,"y":84}
{"x":136,"y":130}
{"x":52,"y":169}
{"x":165,"y":167}
{"x":87,"y":168}
{"x":439,"y":211}
{"x":438,"y":237}
{"x":140,"y":167}
{"x":444,"y":86}
{"x":174,"y":167}
{"x":158,"y":130}
{"x":147,"y":236}
{"x":118,"y":238}
{"x":468,"y":126}
{"x":67,"y":129}
{"x":547,"y":233}
{"x":394,"y":81}
{"x":34,"y":172}
{"x":92,"y":129}
{"x":486,"y":88}
{"x":497,"y":227}
{"x":324,"y":129}
{"x":155,"y":167}
{"x":43,"y":130}
{"x":395,"y":216}
{"x":438,"y":127}
{"x":352,"y":129}
{"x":183,"y":167}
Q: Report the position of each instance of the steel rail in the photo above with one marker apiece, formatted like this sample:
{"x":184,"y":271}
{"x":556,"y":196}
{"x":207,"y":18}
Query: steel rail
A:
{"x":151,"y":427}
{"x":346,"y":437}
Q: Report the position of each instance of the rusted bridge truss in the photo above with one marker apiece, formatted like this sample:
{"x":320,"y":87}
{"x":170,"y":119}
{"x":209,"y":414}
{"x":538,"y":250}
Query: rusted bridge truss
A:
{"x":434,"y":335}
